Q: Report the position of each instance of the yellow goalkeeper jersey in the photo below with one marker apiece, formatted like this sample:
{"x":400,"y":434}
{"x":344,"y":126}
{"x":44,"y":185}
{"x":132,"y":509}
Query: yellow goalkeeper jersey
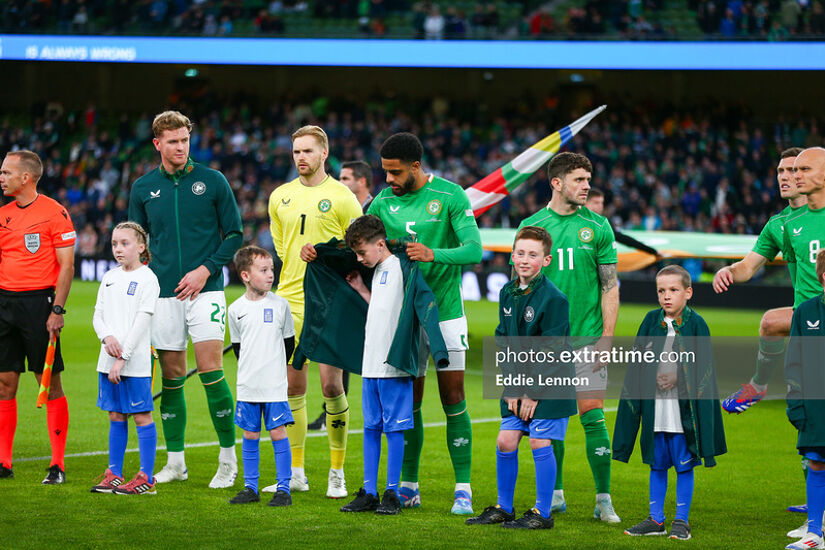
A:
{"x":299,"y":215}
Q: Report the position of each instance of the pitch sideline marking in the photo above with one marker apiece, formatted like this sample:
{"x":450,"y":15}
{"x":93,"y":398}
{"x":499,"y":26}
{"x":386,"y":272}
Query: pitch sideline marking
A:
{"x":238,"y":441}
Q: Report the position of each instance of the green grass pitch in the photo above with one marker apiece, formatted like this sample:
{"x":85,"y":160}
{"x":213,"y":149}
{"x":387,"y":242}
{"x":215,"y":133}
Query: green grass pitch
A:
{"x":739,"y":504}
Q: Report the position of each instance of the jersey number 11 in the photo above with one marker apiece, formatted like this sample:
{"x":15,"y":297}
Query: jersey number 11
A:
{"x":560,"y":258}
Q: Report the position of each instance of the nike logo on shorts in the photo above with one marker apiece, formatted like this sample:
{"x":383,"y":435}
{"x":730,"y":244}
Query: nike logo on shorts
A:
{"x":136,"y":404}
{"x":276,"y":419}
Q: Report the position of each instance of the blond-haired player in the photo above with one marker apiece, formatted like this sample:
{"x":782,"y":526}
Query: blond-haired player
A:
{"x":310,"y":209}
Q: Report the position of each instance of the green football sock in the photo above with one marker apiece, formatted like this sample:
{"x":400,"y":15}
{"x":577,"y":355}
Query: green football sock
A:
{"x":221,"y":404}
{"x":413,"y":441}
{"x":558,"y":451}
{"x":771,"y":355}
{"x":597,"y":442}
{"x":173,"y":413}
{"x":459,"y":440}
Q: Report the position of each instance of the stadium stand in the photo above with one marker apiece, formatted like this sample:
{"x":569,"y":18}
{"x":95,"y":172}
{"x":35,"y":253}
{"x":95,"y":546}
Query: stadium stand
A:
{"x":773,"y":20}
{"x":659,"y":169}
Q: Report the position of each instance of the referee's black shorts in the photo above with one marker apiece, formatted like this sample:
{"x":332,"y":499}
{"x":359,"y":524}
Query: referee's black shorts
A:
{"x":23,"y":334}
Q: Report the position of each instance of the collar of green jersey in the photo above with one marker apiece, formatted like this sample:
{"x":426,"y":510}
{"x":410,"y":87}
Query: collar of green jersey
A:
{"x":188,"y":167}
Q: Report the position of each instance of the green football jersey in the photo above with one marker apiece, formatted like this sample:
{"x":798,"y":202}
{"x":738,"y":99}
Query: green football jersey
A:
{"x":581,"y":242}
{"x":770,"y":241}
{"x":432,"y":215}
{"x":804,"y":236}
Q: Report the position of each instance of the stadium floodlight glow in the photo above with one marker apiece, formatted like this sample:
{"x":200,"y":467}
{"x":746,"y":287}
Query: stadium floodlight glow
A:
{"x":190,"y":73}
{"x":482,"y":54}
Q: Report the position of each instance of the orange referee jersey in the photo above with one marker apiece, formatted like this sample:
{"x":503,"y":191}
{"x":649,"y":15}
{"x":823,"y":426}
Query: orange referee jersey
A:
{"x":28,"y":238}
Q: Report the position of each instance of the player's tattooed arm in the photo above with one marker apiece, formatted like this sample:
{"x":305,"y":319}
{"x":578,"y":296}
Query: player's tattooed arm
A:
{"x":607,"y":277}
{"x":610,"y":304}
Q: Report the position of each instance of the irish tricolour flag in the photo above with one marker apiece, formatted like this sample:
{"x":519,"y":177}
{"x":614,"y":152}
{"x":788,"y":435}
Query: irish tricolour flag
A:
{"x":500,"y":183}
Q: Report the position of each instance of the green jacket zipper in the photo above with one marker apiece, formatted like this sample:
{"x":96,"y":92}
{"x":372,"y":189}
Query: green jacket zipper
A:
{"x":177,"y":232}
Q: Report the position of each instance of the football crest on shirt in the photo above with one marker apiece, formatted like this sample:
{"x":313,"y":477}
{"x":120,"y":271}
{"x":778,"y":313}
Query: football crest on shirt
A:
{"x":434,"y":207}
{"x":132,"y":288}
{"x":199,"y":188}
{"x":32,"y":241}
{"x":324,"y":205}
{"x":585,"y":234}
{"x":268,"y":315}
{"x":529,"y":313}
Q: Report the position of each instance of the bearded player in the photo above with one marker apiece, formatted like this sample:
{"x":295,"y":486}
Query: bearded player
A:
{"x":312,"y":208}
{"x":437,"y":215}
{"x":584,"y":269}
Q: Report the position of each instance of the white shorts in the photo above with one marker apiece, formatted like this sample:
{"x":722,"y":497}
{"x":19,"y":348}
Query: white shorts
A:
{"x":597,"y":380}
{"x":174,"y":321}
{"x":454,"y":332}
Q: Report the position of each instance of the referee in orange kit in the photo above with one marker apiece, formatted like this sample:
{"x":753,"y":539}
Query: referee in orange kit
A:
{"x":36,"y":269}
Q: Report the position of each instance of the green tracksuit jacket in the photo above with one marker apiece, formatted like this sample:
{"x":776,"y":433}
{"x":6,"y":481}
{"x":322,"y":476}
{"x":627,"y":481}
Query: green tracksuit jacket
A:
{"x":335,"y":314}
{"x":700,"y":411}
{"x":192,"y":220}
{"x":805,"y":373}
{"x":541,"y":309}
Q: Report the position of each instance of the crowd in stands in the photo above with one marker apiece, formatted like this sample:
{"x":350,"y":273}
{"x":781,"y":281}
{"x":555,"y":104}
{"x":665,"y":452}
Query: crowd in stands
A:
{"x":424,"y":19}
{"x":773,"y":20}
{"x":428,"y":19}
{"x":689,"y":171}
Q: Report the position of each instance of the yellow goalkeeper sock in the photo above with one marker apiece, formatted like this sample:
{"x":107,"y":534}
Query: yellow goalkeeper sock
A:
{"x":297,"y":432}
{"x":337,"y":429}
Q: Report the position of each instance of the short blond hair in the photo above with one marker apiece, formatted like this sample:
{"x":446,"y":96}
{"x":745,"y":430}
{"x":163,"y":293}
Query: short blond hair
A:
{"x":29,"y":162}
{"x":315,"y":131}
{"x":170,"y":120}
